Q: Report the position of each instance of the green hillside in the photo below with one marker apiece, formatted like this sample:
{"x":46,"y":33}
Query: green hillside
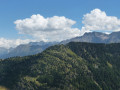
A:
{"x":75,"y":66}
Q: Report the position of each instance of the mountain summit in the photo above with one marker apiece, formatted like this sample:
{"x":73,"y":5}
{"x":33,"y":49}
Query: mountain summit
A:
{"x":37,"y":47}
{"x":96,"y":37}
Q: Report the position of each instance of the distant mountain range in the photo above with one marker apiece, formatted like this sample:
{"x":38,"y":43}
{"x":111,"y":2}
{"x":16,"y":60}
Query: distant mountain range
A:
{"x":38,"y":47}
{"x":96,"y":37}
{"x":25,"y":49}
{"x":3,"y":51}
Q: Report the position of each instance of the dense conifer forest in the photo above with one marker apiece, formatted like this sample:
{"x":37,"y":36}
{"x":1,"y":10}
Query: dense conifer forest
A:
{"x":75,"y":66}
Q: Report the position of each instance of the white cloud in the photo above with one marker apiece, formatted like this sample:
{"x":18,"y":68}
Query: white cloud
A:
{"x":58,"y":28}
{"x":98,"y":20}
{"x":47,"y":29}
{"x":6,"y":43}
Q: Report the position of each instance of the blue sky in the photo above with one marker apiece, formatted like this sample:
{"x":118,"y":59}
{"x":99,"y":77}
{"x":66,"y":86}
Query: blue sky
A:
{"x":12,"y":10}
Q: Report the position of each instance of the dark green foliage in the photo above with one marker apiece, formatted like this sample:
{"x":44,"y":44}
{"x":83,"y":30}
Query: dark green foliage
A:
{"x":75,"y":66}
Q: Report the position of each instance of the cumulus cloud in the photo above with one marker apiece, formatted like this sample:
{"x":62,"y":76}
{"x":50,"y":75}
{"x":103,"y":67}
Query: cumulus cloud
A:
{"x":58,"y":28}
{"x":6,"y":43}
{"x":47,"y":29}
{"x":98,"y":20}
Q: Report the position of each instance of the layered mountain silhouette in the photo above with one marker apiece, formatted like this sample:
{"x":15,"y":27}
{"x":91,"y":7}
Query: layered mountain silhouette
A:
{"x":26,"y":49}
{"x":3,"y":51}
{"x":37,"y":47}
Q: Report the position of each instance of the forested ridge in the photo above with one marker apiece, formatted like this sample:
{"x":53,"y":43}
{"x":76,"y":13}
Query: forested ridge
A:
{"x":75,"y":66}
